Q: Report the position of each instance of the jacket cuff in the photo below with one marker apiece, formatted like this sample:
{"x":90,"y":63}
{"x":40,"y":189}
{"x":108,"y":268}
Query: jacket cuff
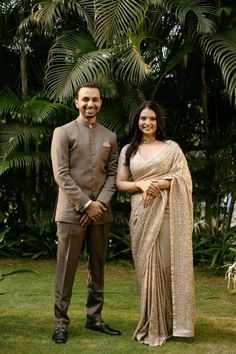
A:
{"x":82,"y":209}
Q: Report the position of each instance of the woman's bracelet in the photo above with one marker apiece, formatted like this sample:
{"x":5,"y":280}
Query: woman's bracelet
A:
{"x":165,"y":184}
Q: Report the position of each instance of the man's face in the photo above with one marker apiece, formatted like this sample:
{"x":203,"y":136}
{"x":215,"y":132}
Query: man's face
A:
{"x":88,"y":102}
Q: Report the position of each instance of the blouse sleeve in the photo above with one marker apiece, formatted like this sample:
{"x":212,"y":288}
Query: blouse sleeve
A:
{"x":123,"y":169}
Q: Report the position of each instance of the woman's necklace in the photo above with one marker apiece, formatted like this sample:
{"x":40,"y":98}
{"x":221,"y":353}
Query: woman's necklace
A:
{"x":148,"y":140}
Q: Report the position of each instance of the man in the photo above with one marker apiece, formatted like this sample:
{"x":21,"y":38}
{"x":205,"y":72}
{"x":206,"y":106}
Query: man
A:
{"x":84,"y":159}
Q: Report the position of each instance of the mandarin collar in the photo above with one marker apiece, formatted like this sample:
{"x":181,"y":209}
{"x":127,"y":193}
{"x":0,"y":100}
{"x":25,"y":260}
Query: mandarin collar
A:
{"x":85,"y":123}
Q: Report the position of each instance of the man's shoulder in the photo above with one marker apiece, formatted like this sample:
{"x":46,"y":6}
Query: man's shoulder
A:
{"x":106,"y":130}
{"x":69,"y":125}
{"x":65,"y":128}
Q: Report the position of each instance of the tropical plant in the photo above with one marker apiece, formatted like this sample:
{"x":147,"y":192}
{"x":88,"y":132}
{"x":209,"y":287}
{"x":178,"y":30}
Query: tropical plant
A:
{"x":214,"y":249}
{"x":119,"y":246}
{"x":27,"y":190}
{"x":25,"y":138}
{"x":178,"y":52}
{"x":127,"y":30}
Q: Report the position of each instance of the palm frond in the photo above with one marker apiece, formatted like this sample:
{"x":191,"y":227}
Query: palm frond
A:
{"x":47,"y":14}
{"x":33,"y":110}
{"x":114,"y":124}
{"x":203,"y":11}
{"x":10,"y":103}
{"x":23,"y":161}
{"x":115,"y":18}
{"x":132,"y":67}
{"x":223,"y":52}
{"x":118,"y":114}
{"x":85,"y":9}
{"x":107,"y":86}
{"x":74,"y":59}
{"x":13,"y":136}
{"x":46,"y":112}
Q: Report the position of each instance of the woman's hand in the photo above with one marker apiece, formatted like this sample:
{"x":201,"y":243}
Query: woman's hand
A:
{"x":147,"y":186}
{"x":150,"y":190}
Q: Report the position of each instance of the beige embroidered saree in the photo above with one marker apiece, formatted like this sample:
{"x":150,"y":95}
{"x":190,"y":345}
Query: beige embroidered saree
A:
{"x":161,"y":237}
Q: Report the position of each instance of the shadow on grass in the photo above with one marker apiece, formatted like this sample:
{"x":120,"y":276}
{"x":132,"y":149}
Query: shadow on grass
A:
{"x":41,"y":328}
{"x":32,"y":334}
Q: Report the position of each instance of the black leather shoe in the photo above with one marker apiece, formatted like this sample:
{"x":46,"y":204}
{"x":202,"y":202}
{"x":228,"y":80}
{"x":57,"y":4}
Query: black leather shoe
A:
{"x":59,"y":336}
{"x":103,"y":328}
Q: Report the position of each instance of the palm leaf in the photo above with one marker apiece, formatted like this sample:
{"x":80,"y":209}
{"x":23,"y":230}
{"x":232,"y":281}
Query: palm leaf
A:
{"x":47,"y":14}
{"x":85,"y":9}
{"x":223,"y":52}
{"x":44,"y":14}
{"x":202,"y":10}
{"x":107,"y":86}
{"x":24,"y":161}
{"x":12,"y":136}
{"x":132,"y":67}
{"x":33,"y":110}
{"x":45,"y":112}
{"x":114,"y":124}
{"x":74,"y":59}
{"x":10,"y":103}
{"x":115,"y":18}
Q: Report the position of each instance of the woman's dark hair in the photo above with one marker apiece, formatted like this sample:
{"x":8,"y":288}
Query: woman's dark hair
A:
{"x":136,"y":132}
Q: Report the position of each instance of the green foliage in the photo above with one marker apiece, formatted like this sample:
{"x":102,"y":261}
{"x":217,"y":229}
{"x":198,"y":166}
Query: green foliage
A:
{"x":223,"y":50}
{"x":180,"y":53}
{"x":116,"y":18}
{"x":74,"y":55}
{"x":31,"y":242}
{"x":119,"y":246}
{"x":214,"y":249}
{"x":202,"y":11}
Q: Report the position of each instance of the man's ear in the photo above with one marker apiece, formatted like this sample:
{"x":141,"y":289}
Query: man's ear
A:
{"x":75,"y":102}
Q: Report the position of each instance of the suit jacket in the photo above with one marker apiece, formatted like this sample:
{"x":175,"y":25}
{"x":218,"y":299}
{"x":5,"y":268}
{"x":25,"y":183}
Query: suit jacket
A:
{"x":84,"y":161}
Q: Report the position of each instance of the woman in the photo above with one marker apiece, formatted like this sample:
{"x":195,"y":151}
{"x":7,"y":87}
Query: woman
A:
{"x":160,"y":227}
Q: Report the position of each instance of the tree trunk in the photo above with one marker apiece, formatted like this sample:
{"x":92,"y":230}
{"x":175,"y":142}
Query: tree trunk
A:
{"x":24,"y":92}
{"x":208,"y":213}
{"x":23,"y":68}
{"x":231,"y":210}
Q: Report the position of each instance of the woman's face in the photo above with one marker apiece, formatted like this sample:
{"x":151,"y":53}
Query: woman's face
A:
{"x":147,"y":122}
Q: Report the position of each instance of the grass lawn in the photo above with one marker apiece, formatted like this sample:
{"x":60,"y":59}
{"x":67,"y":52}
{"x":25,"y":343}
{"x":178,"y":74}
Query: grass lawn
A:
{"x":26,"y":318}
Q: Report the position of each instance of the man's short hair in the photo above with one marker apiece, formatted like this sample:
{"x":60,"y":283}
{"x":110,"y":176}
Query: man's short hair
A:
{"x":86,"y":84}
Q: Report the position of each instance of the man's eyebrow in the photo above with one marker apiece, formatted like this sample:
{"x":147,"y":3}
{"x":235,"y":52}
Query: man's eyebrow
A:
{"x":93,"y":98}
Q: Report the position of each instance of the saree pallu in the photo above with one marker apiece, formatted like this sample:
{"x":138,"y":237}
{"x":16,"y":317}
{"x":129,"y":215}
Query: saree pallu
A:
{"x":161,"y":236}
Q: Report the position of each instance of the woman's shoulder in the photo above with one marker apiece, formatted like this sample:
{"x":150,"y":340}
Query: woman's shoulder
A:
{"x":174,"y":147}
{"x":172,"y":143}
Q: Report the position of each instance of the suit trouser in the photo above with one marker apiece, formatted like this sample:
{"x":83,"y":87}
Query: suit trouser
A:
{"x":71,"y":238}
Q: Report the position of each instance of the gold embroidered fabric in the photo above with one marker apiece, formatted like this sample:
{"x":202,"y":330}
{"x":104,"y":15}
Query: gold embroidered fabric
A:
{"x":161,"y":237}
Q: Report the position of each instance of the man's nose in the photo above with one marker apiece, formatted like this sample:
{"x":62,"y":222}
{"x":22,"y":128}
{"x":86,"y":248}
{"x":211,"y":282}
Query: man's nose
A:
{"x":90,"y":103}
